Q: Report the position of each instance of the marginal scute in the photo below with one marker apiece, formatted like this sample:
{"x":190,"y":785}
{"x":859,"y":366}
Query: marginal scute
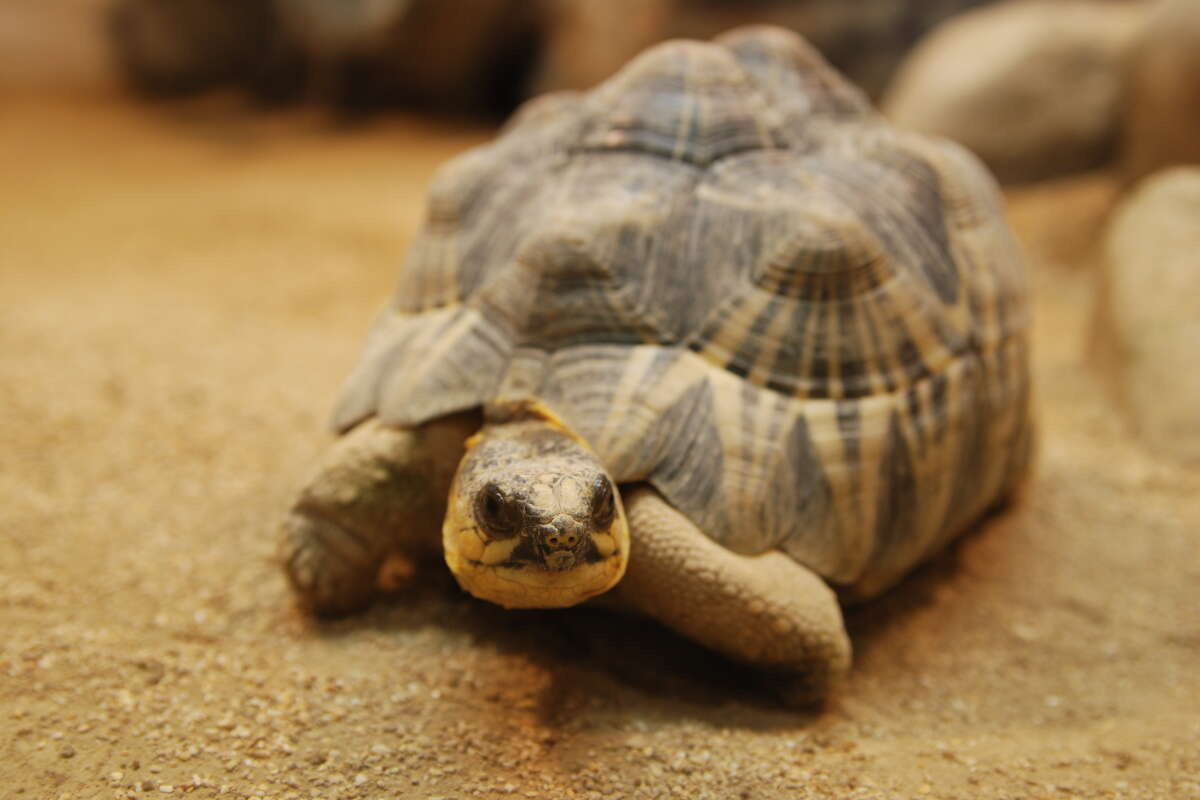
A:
{"x":418,"y":367}
{"x":898,"y":499}
{"x":736,"y":283}
{"x":686,"y":434}
{"x":800,"y":501}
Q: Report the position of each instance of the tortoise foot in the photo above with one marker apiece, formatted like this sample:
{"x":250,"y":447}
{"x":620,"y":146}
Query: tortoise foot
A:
{"x":331,"y":572}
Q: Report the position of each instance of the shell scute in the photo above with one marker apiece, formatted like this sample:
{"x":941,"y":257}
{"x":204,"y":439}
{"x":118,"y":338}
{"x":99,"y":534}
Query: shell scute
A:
{"x":685,"y":101}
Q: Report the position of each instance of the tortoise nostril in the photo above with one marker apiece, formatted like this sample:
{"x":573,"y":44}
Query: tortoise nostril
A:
{"x":561,"y":533}
{"x":560,"y":539}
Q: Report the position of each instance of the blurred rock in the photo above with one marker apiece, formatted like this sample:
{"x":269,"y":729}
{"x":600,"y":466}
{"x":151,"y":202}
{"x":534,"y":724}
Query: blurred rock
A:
{"x":1033,"y":87}
{"x":468,"y":55}
{"x":177,"y":47}
{"x":1151,"y":309}
{"x":588,"y":40}
{"x":1162,"y":116}
{"x":473,"y":55}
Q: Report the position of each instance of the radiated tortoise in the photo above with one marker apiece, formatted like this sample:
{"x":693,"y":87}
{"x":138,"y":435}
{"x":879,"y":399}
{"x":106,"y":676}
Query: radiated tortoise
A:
{"x":703,"y":342}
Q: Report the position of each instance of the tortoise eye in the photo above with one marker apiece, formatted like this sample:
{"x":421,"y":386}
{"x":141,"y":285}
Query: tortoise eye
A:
{"x":497,"y":514}
{"x":603,"y":502}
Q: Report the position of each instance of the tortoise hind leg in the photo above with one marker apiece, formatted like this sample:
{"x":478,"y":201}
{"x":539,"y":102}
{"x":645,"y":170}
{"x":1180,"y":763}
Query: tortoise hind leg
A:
{"x":765,"y":610}
{"x":379,"y":491}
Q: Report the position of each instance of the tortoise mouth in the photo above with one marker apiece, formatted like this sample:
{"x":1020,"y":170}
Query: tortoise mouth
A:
{"x":518,"y":573}
{"x":527,"y":585}
{"x":560,"y":560}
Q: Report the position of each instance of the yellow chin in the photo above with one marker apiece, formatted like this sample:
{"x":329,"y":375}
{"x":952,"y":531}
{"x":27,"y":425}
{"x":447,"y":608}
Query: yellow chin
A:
{"x":478,"y":569}
{"x":532,"y":587}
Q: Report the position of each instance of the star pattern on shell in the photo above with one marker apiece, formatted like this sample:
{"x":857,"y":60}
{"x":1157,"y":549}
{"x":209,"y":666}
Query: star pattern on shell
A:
{"x":737,"y":283}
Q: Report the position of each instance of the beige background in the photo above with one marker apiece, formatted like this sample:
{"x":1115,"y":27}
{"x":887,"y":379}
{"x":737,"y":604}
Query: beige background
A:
{"x":55,"y":45}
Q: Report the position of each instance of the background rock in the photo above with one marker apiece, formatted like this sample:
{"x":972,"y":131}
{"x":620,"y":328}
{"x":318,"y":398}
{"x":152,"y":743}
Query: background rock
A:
{"x":1152,"y":309}
{"x":588,"y":40}
{"x":468,"y":55}
{"x":1031,"y":86}
{"x":1162,"y":118}
{"x":188,"y":46}
{"x":476,"y":55}
{"x":471,"y":55}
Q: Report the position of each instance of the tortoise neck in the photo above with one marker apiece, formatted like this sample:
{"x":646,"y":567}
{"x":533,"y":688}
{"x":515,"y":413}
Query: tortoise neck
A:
{"x":528,"y":421}
{"x":525,"y":410}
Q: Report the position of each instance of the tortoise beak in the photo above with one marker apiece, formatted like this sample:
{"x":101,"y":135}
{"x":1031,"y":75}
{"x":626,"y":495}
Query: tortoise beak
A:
{"x":560,"y":560}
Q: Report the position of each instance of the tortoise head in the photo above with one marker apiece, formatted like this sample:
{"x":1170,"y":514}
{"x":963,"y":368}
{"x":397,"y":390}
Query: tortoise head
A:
{"x":533,"y":519}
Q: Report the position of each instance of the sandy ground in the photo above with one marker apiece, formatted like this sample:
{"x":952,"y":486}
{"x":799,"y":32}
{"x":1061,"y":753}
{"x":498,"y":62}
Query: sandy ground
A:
{"x":182,"y":294}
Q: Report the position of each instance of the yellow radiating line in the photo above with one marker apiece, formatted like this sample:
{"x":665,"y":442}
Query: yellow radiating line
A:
{"x":449,"y":264}
{"x":874,"y":366}
{"x":913,"y":317}
{"x":953,"y":426}
{"x":821,"y":418}
{"x":733,"y":331}
{"x":935,"y":462}
{"x":809,"y":337}
{"x":777,"y":333}
{"x":661,"y":392}
{"x":433,"y":357}
{"x":632,"y":377}
{"x":689,"y":104}
{"x":874,"y":421}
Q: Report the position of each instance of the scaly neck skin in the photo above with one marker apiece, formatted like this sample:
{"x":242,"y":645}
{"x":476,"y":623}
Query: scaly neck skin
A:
{"x":533,"y":520}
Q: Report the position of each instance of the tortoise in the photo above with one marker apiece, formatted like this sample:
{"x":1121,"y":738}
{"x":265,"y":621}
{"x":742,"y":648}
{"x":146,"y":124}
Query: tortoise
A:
{"x":711,"y":342}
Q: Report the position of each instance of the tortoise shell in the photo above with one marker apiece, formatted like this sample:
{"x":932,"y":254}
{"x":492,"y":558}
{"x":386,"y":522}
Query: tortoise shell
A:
{"x":736,"y":282}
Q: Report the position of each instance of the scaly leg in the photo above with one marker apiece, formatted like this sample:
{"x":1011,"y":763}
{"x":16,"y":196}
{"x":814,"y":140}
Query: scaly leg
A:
{"x":379,"y":491}
{"x":764,"y":610}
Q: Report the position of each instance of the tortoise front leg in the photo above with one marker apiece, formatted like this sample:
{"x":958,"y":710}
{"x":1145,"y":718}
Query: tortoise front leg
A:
{"x":764,"y":610}
{"x":380,"y":490}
